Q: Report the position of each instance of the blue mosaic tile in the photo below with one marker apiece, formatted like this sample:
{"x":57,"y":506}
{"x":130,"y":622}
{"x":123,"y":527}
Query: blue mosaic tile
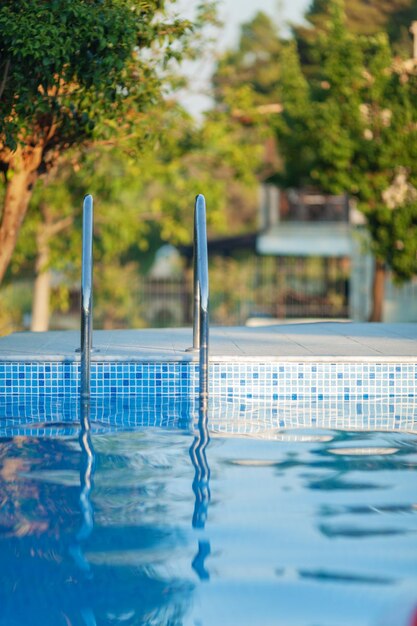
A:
{"x":275,"y":381}
{"x":61,"y":417}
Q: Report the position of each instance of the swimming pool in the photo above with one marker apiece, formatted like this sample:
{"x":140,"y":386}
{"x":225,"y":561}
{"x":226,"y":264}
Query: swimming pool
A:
{"x":290,"y":502}
{"x":182,"y":522}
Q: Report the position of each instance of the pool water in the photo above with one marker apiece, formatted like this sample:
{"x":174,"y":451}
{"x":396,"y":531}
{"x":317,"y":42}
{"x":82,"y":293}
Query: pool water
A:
{"x":173,"y":527}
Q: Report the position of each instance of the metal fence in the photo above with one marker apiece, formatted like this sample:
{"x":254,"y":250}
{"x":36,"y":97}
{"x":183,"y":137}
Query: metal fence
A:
{"x":253,"y":286}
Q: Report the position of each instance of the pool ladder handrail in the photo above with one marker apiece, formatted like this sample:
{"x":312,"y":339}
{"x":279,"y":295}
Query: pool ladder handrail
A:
{"x":201,"y":294}
{"x":86,"y":296}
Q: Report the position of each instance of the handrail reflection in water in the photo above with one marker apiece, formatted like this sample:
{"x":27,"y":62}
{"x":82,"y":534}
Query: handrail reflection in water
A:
{"x":86,"y":484}
{"x":201,"y":489}
{"x":86,"y":473}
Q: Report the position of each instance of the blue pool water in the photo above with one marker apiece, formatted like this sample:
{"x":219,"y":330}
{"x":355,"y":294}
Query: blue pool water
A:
{"x":178,"y":525}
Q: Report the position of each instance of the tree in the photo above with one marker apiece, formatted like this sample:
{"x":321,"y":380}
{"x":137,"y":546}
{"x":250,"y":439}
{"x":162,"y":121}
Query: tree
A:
{"x":71,"y":72}
{"x":364,"y":17}
{"x":143,"y":192}
{"x":246,"y":89}
{"x":254,"y":63}
{"x":358,"y":117}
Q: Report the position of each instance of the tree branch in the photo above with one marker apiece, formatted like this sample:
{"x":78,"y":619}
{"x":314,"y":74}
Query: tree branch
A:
{"x":56,"y":227}
{"x":49,"y":228}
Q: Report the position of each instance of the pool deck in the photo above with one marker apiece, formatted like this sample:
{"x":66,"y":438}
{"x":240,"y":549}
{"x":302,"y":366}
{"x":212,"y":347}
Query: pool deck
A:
{"x":299,"y":342}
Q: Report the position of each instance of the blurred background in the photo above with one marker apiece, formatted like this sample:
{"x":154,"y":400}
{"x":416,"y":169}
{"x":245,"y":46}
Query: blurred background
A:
{"x":297,"y":120}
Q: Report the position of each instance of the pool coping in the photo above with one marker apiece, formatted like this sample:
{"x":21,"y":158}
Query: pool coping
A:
{"x":344,"y":342}
{"x":284,"y":362}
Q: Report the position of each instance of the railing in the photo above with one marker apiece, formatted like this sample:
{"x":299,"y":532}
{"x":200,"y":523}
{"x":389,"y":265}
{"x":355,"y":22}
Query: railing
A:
{"x":201,"y":294}
{"x":86,"y":296}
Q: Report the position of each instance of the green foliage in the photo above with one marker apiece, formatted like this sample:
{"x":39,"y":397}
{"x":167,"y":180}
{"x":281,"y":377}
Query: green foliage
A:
{"x":363,"y":17}
{"x":80,"y":74}
{"x":72,"y":73}
{"x":293,"y":124}
{"x":67,"y":67}
{"x":246,"y":87}
{"x":253,"y":63}
{"x":144,"y":196}
{"x":360,"y":117}
{"x":15,"y":303}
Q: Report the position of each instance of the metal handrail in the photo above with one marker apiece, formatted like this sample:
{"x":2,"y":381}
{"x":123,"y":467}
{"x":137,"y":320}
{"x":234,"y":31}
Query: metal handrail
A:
{"x":86,"y":296}
{"x":201,"y":294}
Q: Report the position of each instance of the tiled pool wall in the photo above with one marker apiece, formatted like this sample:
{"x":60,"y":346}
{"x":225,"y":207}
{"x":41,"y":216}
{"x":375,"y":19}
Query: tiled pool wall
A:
{"x":44,"y":415}
{"x":248,"y":380}
{"x":255,"y":398}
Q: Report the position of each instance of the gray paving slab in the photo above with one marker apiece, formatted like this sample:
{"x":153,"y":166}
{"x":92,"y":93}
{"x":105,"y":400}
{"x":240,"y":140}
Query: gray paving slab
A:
{"x":295,"y":342}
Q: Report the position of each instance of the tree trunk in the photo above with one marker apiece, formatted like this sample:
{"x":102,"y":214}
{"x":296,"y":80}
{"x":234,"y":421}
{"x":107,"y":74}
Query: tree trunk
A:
{"x":23,"y":167}
{"x":42,"y":287}
{"x":378,"y":290}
